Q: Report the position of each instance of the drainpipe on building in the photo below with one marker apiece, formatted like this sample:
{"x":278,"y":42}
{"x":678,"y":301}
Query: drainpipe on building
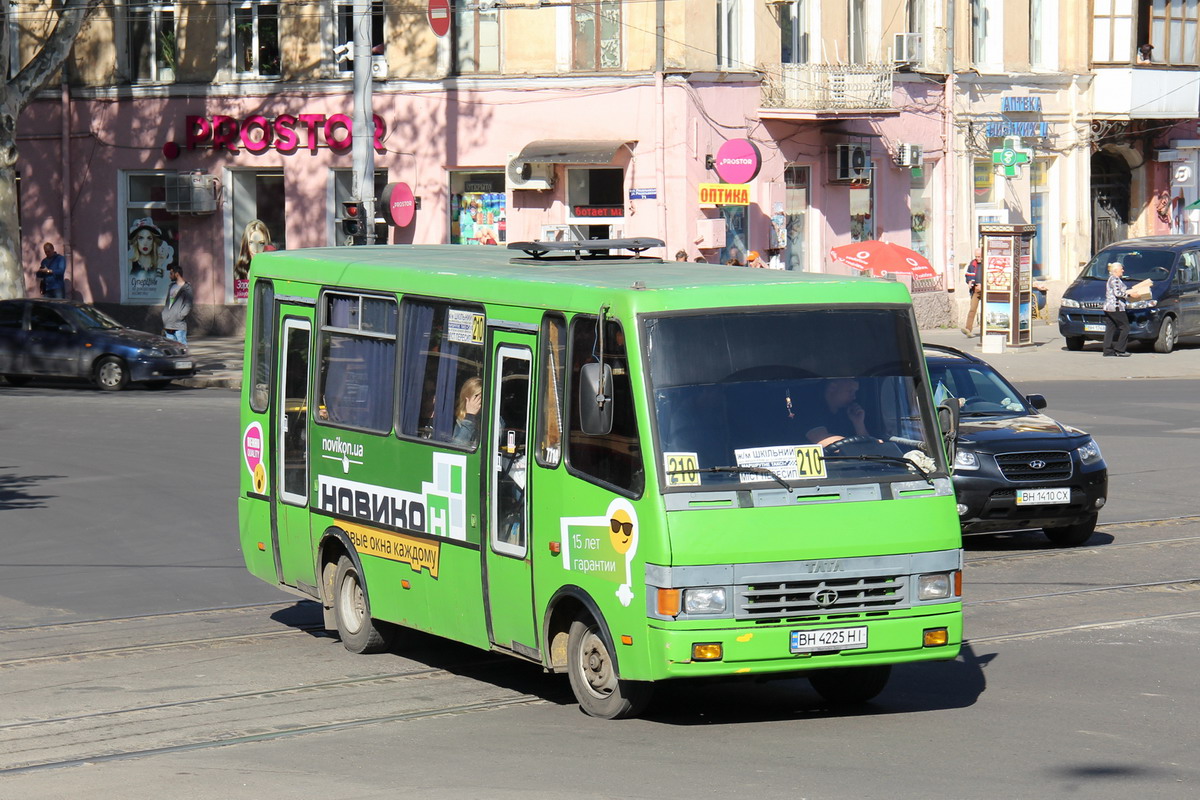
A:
{"x":950,"y":178}
{"x":364,"y":121}
{"x":660,"y":65}
{"x":67,"y":183}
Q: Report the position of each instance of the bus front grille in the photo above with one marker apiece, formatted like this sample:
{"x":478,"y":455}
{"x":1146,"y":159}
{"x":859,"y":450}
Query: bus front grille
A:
{"x":800,"y":598}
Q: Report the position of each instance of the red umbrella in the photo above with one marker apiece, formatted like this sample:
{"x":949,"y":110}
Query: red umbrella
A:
{"x":883,"y":258}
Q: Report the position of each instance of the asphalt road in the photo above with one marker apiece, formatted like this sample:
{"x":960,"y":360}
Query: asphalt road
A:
{"x":138,"y":659}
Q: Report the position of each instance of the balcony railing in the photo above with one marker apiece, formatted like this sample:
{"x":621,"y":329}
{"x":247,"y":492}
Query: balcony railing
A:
{"x":827,"y":87}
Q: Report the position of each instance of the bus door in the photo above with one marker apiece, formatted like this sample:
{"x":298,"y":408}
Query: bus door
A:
{"x":289,"y":426}
{"x":509,"y":581}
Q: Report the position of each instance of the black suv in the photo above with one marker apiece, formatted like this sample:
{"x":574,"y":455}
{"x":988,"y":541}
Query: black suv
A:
{"x":1016,"y":467}
{"x":1170,"y":263}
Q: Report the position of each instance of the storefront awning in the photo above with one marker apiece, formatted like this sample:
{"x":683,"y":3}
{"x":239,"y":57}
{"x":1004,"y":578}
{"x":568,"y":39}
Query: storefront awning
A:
{"x":572,"y":151}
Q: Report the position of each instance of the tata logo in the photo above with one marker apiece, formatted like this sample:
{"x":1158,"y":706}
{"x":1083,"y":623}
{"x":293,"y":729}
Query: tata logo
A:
{"x":1037,"y":463}
{"x":825,"y":597}
{"x":817,"y":567}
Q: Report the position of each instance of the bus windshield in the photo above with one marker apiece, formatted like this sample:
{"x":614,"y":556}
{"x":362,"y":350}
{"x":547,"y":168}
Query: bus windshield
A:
{"x":794,"y":396}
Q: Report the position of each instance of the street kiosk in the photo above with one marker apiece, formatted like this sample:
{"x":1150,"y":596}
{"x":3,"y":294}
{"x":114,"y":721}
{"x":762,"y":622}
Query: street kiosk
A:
{"x":1008,"y":282}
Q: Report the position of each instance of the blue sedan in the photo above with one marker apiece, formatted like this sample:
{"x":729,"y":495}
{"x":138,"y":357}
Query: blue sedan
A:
{"x":66,"y":339}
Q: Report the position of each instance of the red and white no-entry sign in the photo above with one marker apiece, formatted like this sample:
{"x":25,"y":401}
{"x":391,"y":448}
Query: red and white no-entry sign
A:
{"x":439,"y":16}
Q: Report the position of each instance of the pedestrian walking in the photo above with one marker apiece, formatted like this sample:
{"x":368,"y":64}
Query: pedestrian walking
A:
{"x":178,"y":306}
{"x":52,"y":274}
{"x":681,"y":255}
{"x":1116,"y":323}
{"x":974,"y":281}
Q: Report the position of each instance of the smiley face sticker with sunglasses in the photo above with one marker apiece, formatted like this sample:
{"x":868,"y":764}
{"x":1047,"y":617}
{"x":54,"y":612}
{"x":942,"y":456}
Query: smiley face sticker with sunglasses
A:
{"x":587,"y":549}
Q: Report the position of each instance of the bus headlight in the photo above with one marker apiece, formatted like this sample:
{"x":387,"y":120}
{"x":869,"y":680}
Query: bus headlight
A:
{"x":707,"y":600}
{"x":934,"y":587}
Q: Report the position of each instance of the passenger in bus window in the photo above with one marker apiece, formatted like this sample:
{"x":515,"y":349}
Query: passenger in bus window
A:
{"x":841,"y":415}
{"x":466,"y":412}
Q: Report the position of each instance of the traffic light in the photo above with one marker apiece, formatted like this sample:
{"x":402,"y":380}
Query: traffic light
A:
{"x":352,"y":224}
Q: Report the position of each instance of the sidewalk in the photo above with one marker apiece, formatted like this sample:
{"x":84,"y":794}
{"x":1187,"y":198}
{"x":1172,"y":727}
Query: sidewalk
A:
{"x":219,"y":359}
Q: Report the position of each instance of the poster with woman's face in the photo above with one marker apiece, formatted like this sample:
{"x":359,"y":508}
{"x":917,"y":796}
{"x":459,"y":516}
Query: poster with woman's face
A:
{"x":256,"y":238}
{"x":148,"y":259}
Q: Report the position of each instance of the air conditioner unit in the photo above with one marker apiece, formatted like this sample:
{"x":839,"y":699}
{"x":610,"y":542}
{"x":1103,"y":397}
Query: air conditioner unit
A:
{"x":379,"y":67}
{"x":853,"y":163}
{"x":907,"y":47}
{"x":192,"y":192}
{"x":524,"y":175}
{"x":909,"y":155}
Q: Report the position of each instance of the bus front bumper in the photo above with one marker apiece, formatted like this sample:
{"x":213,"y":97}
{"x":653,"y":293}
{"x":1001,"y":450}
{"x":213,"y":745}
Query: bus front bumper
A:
{"x":760,"y":650}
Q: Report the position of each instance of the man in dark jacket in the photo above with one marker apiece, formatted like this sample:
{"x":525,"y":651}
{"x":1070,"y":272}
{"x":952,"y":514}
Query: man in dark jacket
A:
{"x":178,"y":306}
{"x":974,"y":281}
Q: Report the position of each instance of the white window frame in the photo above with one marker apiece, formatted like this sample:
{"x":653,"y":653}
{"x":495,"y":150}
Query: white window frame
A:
{"x":987,"y":35}
{"x":796,"y":12}
{"x":153,"y":11}
{"x":253,"y":6}
{"x":336,"y":34}
{"x":483,"y":22}
{"x":1043,"y":35}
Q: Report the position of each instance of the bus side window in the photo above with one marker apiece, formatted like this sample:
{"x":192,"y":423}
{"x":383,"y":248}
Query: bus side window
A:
{"x":261,"y":354}
{"x":356,"y":383}
{"x":550,"y":388}
{"x":614,"y":459}
{"x":442,"y":350}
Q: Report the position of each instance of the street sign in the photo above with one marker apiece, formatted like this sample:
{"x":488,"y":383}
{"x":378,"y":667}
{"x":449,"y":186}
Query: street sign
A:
{"x":439,"y":17}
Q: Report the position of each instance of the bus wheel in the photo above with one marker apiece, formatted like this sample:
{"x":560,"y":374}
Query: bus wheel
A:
{"x":358,"y":631}
{"x":848,"y":686}
{"x":593,"y":676}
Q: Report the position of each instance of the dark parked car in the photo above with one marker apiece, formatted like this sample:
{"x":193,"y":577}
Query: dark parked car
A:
{"x":65,"y":339}
{"x":1171,"y":311}
{"x":1016,"y":467}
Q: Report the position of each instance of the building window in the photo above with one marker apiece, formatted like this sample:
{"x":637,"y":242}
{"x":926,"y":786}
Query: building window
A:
{"x":597,"y":27}
{"x":596,"y":202}
{"x":1039,"y":195}
{"x":345,"y":32}
{"x":796,"y":185}
{"x":987,"y":33}
{"x":150,"y":42}
{"x":737,"y":234}
{"x":729,"y":34}
{"x":343,"y":192}
{"x":477,"y":208}
{"x":152,"y":237}
{"x":857,"y":27}
{"x":477,"y":40}
{"x":985,"y":181}
{"x":1043,"y":34}
{"x":918,"y":209}
{"x":256,"y":39}
{"x":356,"y":382}
{"x":1173,"y":31}
{"x":793,"y":32}
{"x":862,"y":213}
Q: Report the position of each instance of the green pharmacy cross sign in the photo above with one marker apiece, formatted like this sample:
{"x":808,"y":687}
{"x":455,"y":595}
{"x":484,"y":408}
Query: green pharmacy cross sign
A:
{"x":1011,"y":156}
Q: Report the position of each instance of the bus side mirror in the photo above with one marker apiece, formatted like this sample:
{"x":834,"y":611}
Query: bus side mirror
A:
{"x":595,"y":399}
{"x":947,"y":412}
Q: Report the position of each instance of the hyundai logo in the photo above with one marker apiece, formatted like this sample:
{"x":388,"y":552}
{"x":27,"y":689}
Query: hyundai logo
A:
{"x":1037,"y":463}
{"x":825,"y":597}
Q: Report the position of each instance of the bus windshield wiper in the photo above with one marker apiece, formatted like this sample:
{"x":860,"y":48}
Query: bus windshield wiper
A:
{"x":908,"y":462}
{"x":736,"y":470}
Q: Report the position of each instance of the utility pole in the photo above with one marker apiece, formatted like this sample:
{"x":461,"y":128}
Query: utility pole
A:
{"x":364,"y":121}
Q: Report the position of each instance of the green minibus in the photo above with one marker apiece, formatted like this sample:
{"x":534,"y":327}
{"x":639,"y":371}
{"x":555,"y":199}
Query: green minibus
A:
{"x":620,"y":468}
